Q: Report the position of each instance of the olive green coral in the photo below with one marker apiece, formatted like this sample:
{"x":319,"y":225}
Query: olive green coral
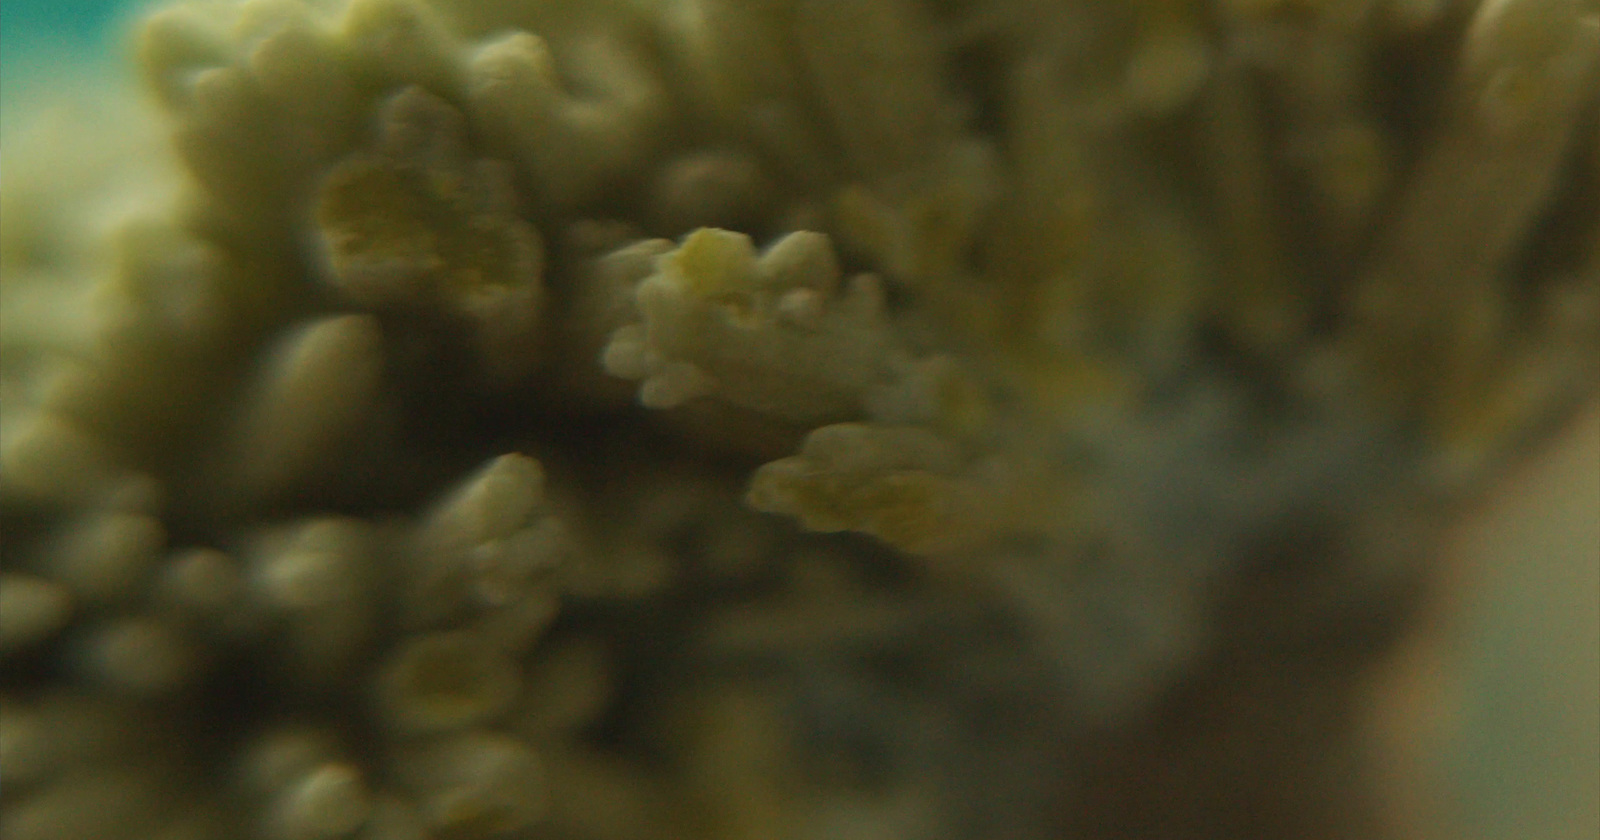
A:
{"x":666,"y":418}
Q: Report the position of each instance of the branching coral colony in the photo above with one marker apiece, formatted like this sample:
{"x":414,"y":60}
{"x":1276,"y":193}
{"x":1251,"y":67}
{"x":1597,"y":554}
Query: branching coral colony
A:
{"x":394,"y":428}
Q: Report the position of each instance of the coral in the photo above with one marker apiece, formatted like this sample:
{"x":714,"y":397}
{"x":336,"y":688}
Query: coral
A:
{"x":772,"y":332}
{"x":471,"y":419}
{"x":903,"y":485}
{"x":418,"y":226}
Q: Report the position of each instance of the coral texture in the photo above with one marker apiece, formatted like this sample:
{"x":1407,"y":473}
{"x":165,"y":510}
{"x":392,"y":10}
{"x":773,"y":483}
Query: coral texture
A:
{"x":468,"y":419}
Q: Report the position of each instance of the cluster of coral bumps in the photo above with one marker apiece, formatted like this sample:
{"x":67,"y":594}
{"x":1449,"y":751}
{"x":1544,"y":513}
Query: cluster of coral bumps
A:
{"x":765,"y":418}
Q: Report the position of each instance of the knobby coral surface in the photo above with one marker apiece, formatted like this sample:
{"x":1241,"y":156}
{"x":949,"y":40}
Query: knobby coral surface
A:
{"x":477,"y":419}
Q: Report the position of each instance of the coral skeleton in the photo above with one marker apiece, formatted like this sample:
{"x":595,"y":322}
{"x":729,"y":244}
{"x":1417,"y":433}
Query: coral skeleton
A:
{"x":734,"y":419}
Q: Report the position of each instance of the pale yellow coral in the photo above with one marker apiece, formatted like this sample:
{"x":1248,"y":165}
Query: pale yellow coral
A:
{"x":491,"y":544}
{"x":318,"y":388}
{"x":573,"y":146}
{"x":777,"y":332}
{"x":903,"y":485}
{"x":421,"y":225}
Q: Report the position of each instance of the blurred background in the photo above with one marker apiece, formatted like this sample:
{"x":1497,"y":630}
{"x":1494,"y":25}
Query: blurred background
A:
{"x":1518,"y":718}
{"x":1492,"y":717}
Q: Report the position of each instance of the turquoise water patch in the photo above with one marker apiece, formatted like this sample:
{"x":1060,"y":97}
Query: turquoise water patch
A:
{"x":23,"y":22}
{"x":51,"y":45}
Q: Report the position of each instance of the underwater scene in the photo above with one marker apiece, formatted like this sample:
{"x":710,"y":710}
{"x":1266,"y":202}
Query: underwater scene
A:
{"x":800,"y":420}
